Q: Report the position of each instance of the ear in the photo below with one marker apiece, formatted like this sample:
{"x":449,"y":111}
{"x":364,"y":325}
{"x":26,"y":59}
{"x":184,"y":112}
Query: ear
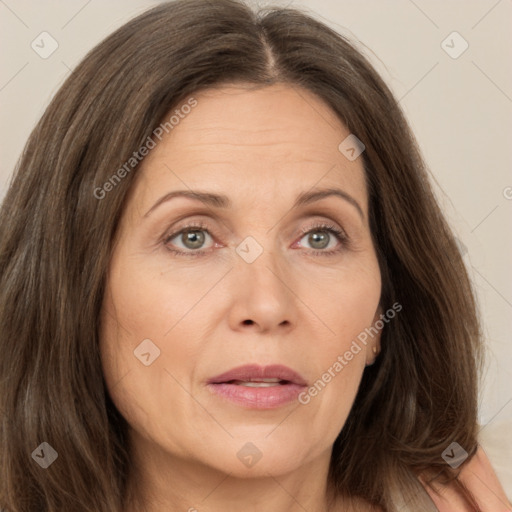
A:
{"x":373,"y":346}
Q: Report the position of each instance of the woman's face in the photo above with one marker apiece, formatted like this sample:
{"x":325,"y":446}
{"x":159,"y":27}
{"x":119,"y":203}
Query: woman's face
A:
{"x":259,"y":280}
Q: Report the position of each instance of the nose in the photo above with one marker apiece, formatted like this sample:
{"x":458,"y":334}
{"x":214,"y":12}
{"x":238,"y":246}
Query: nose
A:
{"x":262,"y":297}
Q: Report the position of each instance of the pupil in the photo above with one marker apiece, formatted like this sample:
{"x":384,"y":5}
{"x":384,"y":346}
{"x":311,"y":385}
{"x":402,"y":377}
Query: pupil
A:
{"x":194,"y":239}
{"x":319,"y":239}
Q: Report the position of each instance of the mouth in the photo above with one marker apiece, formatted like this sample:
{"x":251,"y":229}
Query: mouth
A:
{"x":258,"y":387}
{"x":258,"y":383}
{"x":274,"y":374}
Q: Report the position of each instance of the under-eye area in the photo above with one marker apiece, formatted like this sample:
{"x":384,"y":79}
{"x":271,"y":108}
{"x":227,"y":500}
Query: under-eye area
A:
{"x":226,"y":280}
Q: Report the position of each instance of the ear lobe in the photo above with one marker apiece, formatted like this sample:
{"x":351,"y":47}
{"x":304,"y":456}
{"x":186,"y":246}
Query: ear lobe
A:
{"x":374,"y":348}
{"x":372,"y":356}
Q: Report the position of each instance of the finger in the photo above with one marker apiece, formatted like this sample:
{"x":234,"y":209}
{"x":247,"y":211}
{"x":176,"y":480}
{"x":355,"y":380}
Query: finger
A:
{"x":478,"y":476}
{"x":447,"y":498}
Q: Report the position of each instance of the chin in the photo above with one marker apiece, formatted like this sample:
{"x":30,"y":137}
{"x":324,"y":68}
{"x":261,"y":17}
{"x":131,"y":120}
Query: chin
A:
{"x":243,"y":458}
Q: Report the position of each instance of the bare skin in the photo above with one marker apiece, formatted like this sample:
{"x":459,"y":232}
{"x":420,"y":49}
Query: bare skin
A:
{"x":261,"y":149}
{"x":293,"y":305}
{"x":486,"y":492}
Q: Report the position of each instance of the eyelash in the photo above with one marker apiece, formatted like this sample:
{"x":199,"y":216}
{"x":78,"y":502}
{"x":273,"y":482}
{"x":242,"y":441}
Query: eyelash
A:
{"x":321,"y":226}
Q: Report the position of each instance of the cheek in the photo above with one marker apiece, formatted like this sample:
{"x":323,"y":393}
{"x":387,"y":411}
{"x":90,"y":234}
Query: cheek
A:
{"x":148,"y":301}
{"x":147,"y":311}
{"x":330,"y":399}
{"x":340,"y":365}
{"x":174,"y":309}
{"x":347,"y":305}
{"x":344,"y":300}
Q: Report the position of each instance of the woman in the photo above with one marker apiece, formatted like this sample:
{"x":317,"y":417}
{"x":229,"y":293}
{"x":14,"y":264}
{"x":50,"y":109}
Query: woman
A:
{"x":226,"y":284}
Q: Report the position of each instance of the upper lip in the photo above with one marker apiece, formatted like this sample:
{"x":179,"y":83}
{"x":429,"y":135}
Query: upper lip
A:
{"x":254,"y":372}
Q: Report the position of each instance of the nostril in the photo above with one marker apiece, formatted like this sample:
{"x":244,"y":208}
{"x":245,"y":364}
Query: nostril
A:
{"x":248,"y":322}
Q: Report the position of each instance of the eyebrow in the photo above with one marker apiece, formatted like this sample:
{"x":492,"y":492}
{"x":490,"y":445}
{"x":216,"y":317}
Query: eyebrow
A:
{"x":221,"y":201}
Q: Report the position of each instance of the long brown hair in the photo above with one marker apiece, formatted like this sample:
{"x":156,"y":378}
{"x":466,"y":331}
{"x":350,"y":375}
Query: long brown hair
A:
{"x":56,"y":238}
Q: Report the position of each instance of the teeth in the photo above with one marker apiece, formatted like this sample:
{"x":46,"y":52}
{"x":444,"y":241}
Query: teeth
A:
{"x":258,"y":383}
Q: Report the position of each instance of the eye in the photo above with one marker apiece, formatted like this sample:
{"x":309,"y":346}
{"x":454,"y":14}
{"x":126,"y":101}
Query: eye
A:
{"x":192,"y":239}
{"x":319,"y":239}
{"x":324,"y":239}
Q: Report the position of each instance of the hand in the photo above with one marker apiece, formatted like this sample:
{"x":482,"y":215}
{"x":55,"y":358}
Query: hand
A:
{"x":477,"y":475}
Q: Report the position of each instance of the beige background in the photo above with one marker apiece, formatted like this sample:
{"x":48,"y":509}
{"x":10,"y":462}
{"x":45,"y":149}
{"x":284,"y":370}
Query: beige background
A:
{"x":460,"y":110}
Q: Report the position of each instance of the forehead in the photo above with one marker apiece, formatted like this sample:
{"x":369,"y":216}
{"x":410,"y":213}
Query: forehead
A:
{"x":275,"y":141}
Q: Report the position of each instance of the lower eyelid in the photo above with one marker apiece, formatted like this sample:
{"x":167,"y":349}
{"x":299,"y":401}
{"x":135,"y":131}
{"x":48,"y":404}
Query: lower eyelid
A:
{"x":180,"y":233}
{"x":337,"y":233}
{"x":340,"y":238}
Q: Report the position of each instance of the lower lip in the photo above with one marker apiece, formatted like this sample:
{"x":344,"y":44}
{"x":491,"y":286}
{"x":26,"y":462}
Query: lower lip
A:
{"x":270,"y":397}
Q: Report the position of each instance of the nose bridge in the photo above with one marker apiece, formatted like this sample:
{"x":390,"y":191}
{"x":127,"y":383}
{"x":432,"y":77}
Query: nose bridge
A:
{"x":262,"y":264}
{"x":261,"y":288}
